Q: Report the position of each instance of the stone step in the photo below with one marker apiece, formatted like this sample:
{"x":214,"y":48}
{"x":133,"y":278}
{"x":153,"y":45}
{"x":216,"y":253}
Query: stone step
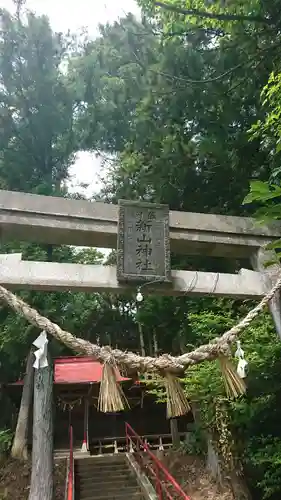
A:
{"x":77,"y":454}
{"x":88,"y":460}
{"x":95,"y":471}
{"x":135,"y":496}
{"x":95,"y":468}
{"x":104,"y":460}
{"x":110,"y":482}
{"x":102,"y":478}
{"x":105,"y":478}
{"x":105,"y":489}
{"x":101,"y":475}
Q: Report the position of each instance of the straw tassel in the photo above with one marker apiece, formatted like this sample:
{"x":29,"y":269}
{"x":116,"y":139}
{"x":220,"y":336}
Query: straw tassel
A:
{"x":177,"y":403}
{"x":234,"y":385}
{"x":111,"y":396}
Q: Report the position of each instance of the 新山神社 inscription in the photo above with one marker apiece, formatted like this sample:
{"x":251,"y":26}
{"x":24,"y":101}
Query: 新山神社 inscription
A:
{"x":143,"y":242}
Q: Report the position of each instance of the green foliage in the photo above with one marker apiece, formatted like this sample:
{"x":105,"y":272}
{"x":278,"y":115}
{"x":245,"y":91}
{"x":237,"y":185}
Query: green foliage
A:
{"x":269,"y":130}
{"x":252,"y":416}
{"x":263,"y":192}
{"x":37,"y":142}
{"x":204,"y":12}
{"x":267,"y":197}
{"x":223,"y":17}
{"x":195,"y":443}
{"x":268,"y":459}
{"x":264,"y":449}
{"x":6,"y":439}
{"x":171,"y":121}
{"x":37,"y":107}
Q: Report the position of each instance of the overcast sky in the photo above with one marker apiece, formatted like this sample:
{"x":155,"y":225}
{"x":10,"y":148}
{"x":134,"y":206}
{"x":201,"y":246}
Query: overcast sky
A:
{"x":73,"y":15}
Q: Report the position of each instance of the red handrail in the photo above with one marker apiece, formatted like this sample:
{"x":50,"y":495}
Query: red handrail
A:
{"x":70,"y":479}
{"x":162,"y":479}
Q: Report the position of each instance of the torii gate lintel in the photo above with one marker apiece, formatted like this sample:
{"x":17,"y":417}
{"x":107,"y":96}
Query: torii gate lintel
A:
{"x":46,"y":219}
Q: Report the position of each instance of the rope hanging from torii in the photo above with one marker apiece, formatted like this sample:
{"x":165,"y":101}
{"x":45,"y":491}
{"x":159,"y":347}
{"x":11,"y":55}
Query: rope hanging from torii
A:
{"x":218,"y":346}
{"x":166,"y":365}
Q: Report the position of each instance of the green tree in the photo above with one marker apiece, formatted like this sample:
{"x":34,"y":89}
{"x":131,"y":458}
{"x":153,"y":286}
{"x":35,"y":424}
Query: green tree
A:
{"x":215,"y":14}
{"x":37,"y":141}
{"x":177,"y":127}
{"x":37,"y":144}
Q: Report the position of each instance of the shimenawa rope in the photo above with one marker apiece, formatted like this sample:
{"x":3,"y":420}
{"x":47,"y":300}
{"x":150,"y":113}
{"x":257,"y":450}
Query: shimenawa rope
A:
{"x":217,"y":347}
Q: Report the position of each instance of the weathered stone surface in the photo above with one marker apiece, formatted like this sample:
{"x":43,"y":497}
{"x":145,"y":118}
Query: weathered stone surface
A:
{"x":269,"y":276}
{"x":143,"y":245}
{"x":45,"y":219}
{"x":53,"y":276}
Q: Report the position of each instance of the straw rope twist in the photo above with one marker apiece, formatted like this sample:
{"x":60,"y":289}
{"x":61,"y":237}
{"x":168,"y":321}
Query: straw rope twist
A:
{"x":217,"y":347}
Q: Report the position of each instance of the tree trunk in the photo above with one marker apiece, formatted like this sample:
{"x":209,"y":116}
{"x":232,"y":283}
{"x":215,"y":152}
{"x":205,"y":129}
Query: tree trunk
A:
{"x":19,"y":448}
{"x":175,"y":433}
{"x":142,"y":346}
{"x":239,"y":488}
{"x":181,"y":343}
{"x":42,"y":447}
{"x":155,"y":343}
{"x":213,"y":461}
{"x":234,"y":479}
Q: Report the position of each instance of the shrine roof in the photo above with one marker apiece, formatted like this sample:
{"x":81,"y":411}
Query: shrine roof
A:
{"x":77,"y":370}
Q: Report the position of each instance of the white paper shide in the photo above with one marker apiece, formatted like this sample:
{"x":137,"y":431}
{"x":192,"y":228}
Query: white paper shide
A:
{"x":242,"y":363}
{"x":41,"y":355}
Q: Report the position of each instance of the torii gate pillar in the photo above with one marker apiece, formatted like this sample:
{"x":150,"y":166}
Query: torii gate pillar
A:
{"x":259,"y":260}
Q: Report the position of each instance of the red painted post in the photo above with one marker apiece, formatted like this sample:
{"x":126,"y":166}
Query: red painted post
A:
{"x":159,"y":490}
{"x":70,"y":492}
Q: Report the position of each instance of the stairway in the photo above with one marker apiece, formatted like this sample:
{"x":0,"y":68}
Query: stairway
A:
{"x":108,"y":477}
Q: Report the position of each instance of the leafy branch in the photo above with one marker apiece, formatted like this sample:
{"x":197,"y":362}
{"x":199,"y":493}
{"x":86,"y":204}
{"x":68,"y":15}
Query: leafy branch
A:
{"x":248,"y":63}
{"x":212,"y":15}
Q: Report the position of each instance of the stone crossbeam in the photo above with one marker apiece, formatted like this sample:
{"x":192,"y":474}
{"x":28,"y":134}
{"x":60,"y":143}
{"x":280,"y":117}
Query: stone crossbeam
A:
{"x":46,"y":219}
{"x":52,"y":276}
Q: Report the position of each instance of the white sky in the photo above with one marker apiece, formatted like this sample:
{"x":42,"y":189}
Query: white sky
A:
{"x":73,"y":15}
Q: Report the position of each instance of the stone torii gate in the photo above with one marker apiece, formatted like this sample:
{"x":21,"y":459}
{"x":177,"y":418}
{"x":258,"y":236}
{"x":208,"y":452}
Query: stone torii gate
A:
{"x":50,"y":220}
{"x":53,"y":220}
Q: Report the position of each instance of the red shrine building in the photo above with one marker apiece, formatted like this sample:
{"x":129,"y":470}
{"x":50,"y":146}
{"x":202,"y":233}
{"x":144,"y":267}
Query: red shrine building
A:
{"x":76,"y":392}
